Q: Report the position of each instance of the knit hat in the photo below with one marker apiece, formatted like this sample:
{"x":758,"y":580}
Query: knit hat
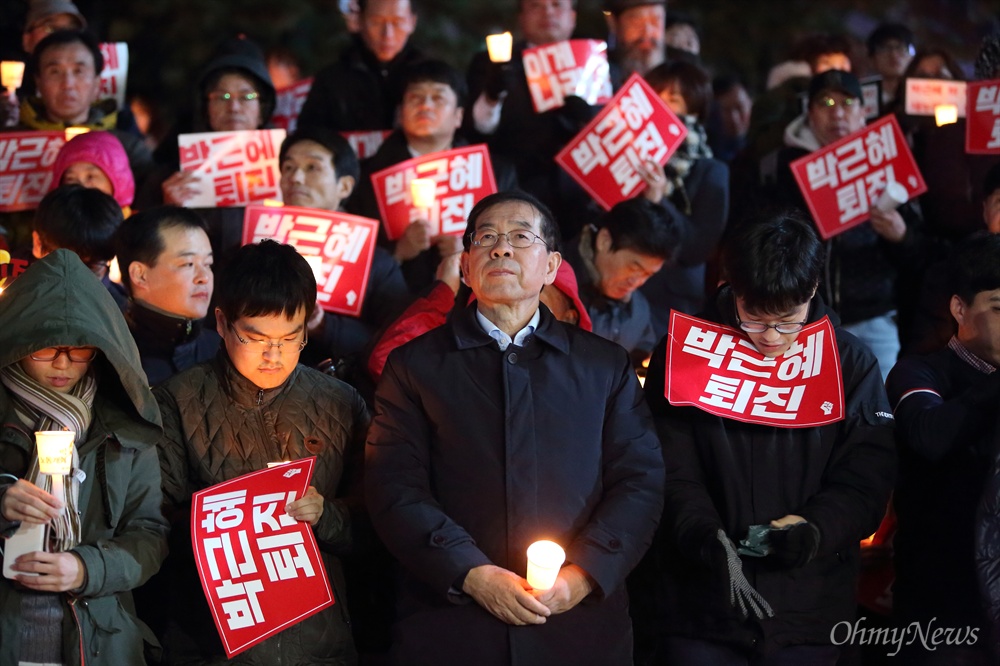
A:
{"x":40,"y":9}
{"x":103,"y":150}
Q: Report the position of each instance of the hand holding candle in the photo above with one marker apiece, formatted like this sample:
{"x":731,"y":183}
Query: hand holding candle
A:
{"x":423,"y":191}
{"x":11,"y":74}
{"x":945,"y":114}
{"x":55,"y":457}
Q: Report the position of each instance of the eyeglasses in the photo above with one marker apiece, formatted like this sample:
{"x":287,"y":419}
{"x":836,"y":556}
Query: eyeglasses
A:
{"x":227,"y":97}
{"x":759,"y":327}
{"x":74,"y":354}
{"x":830,"y":102}
{"x":519,"y":238}
{"x":263,"y":345}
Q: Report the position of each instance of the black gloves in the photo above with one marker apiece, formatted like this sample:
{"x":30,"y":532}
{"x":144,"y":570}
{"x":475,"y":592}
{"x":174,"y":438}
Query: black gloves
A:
{"x":498,"y":80}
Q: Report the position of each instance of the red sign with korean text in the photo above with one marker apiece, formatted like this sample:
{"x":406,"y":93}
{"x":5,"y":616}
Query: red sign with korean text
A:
{"x":10,"y":268}
{"x":635,"y":127}
{"x":463,"y":177}
{"x":718,"y":370}
{"x":924,"y":95}
{"x":572,"y":67}
{"x":366,"y":142}
{"x":339,"y":248}
{"x":288,"y":104}
{"x":234,"y":168}
{"x":114,"y":76}
{"x":26,"y":167}
{"x":260,"y":569}
{"x":844,"y":180}
{"x":982,"y":127}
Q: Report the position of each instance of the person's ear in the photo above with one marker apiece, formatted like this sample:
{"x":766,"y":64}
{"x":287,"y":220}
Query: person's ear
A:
{"x":137,"y":275}
{"x":957,"y":307}
{"x":37,"y":248}
{"x":552,"y":267}
{"x":220,"y":323}
{"x":345,"y":186}
{"x":603,"y":242}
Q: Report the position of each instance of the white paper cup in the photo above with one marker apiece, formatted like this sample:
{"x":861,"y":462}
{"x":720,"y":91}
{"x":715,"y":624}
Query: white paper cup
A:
{"x":894,"y":196}
{"x":55,"y":451}
{"x":545,"y":558}
{"x":11,"y":74}
{"x":423,"y":191}
{"x":499,"y":47}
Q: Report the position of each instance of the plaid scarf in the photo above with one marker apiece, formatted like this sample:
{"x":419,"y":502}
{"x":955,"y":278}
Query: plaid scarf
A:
{"x":44,"y":409}
{"x":695,"y":147}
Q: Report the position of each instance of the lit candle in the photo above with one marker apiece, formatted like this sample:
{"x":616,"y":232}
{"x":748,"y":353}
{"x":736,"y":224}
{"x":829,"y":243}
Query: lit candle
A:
{"x":75,"y":131}
{"x":945,"y":114}
{"x":55,"y":457}
{"x":11,"y":74}
{"x":423,"y":191}
{"x":274,"y":203}
{"x":499,"y":47}
{"x":545,"y":558}
{"x":278,"y":464}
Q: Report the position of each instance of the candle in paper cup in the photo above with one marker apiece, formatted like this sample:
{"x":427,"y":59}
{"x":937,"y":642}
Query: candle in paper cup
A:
{"x":11,"y":74}
{"x":893,"y":196}
{"x":423,"y":191}
{"x":499,"y":47}
{"x":75,"y":131}
{"x":945,"y":114}
{"x":545,"y":558}
{"x":55,"y":451}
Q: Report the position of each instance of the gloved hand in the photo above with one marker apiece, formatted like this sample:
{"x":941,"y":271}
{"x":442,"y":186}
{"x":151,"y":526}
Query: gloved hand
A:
{"x":741,"y":593}
{"x":498,"y":80}
{"x":796,"y":545}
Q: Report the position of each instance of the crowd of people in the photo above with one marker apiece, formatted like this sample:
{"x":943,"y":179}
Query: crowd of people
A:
{"x":515,"y":382}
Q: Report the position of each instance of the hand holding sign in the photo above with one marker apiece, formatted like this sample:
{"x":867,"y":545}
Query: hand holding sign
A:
{"x":308,"y":509}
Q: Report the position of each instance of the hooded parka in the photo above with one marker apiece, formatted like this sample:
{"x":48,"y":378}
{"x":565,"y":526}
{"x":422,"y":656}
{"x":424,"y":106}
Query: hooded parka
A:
{"x":59,"y":302}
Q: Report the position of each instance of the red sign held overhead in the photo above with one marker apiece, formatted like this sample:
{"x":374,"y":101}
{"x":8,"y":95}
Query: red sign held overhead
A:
{"x":339,"y":248}
{"x":260,"y":569}
{"x":234,"y":168}
{"x":26,"y":167}
{"x":843,"y":181}
{"x":635,"y":127}
{"x":982,"y":129}
{"x":288,"y":104}
{"x":463,"y":177}
{"x":574,"y":67}
{"x":718,"y":370}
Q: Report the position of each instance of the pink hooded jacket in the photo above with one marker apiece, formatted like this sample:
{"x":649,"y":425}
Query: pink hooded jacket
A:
{"x":103,"y":150}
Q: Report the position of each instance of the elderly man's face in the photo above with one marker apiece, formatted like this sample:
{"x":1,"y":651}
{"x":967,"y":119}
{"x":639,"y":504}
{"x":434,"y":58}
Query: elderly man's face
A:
{"x":67,"y":82}
{"x":546,"y":21}
{"x":833,"y":115}
{"x":506,"y":275}
{"x":640,"y":32}
{"x":386,"y":25}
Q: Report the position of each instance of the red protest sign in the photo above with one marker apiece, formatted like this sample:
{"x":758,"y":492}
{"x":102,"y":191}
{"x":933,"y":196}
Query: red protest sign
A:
{"x":635,"y":127}
{"x":288,"y":103}
{"x":26,"y":167}
{"x":366,"y":142}
{"x":234,"y":168}
{"x":718,"y":370}
{"x":260,"y":569}
{"x":844,"y":180}
{"x":339,"y":248}
{"x":982,"y":127}
{"x":10,"y":268}
{"x":463,"y":176}
{"x":573,"y":67}
{"x":115,"y":73}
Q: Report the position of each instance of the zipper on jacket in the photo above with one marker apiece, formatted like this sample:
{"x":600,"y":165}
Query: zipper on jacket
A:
{"x":79,"y":630}
{"x":260,"y":397}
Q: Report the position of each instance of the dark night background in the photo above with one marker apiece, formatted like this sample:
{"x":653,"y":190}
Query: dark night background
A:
{"x":168,"y":39}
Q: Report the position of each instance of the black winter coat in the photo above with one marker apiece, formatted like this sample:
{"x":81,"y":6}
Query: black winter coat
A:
{"x":727,"y":474}
{"x":476,"y":453}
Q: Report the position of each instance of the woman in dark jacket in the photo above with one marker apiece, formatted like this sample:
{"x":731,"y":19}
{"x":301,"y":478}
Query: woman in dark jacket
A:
{"x":68,"y":362}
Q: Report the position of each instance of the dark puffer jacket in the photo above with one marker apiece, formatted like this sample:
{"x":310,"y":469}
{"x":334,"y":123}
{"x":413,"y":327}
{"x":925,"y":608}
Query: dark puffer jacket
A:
{"x":218,"y":425}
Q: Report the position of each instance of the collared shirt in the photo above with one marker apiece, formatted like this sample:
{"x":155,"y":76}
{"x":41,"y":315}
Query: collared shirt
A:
{"x":963,"y":353}
{"x":502,"y":338}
